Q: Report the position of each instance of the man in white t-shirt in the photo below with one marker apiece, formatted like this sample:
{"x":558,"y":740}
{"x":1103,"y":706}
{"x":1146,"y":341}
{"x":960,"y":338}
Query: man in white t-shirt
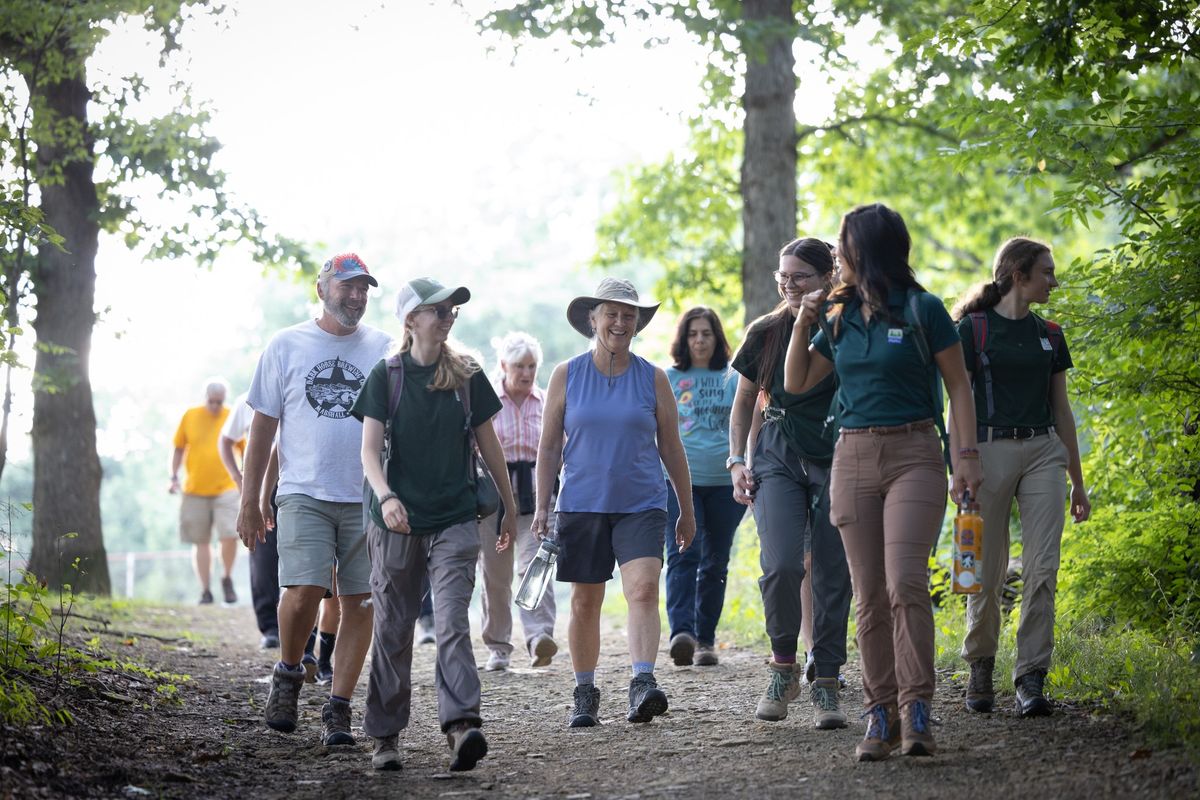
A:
{"x":306,"y":381}
{"x":264,"y":559}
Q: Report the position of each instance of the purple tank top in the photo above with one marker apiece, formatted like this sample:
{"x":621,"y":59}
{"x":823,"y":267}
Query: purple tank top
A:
{"x":610,"y":459}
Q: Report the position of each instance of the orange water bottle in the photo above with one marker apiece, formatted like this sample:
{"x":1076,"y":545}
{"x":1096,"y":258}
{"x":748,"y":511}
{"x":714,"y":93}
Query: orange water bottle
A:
{"x":968,"y":547}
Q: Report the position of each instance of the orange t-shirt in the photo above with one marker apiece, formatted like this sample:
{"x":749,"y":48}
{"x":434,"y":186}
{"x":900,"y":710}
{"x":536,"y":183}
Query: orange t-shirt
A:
{"x":197,"y":433}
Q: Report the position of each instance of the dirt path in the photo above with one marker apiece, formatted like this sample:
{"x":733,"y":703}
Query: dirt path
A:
{"x":129,"y":743}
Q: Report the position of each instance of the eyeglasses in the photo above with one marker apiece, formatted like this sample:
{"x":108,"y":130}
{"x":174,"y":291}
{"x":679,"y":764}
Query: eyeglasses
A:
{"x":443,"y":312}
{"x":792,"y":278}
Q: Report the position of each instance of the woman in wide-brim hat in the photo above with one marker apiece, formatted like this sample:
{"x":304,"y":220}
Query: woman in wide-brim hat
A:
{"x":617,"y":414}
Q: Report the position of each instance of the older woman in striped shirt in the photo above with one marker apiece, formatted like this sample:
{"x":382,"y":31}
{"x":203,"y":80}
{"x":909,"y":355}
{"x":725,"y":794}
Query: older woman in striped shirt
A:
{"x":518,"y":426}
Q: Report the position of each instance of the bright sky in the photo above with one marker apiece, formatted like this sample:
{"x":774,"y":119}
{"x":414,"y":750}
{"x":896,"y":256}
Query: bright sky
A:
{"x":391,"y":129}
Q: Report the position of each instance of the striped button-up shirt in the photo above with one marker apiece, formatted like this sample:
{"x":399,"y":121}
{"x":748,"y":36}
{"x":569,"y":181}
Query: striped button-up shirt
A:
{"x":519,"y":427}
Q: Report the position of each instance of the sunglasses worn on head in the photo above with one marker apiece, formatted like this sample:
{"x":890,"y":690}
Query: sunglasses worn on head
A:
{"x":443,"y":312}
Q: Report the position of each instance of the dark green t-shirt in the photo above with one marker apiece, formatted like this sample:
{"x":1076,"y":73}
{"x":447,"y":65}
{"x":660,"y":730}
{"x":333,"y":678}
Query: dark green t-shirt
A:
{"x":430,"y":463}
{"x":803,"y":423}
{"x":884,"y":381}
{"x":1022,"y":359}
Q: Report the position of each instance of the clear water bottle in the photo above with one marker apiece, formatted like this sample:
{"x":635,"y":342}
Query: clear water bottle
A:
{"x":537,"y":577}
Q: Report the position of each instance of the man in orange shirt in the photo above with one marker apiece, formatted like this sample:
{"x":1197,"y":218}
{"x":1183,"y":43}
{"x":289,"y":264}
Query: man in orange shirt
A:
{"x":210,"y":497}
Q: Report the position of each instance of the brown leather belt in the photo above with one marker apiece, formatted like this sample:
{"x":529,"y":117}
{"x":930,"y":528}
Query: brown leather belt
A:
{"x":919,"y":425}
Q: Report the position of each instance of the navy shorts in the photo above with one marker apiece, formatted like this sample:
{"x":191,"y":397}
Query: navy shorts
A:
{"x":590,"y":543}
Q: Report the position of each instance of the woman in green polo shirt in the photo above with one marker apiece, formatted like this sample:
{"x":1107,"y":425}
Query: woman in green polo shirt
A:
{"x":887,"y":490}
{"x":1018,"y":363}
{"x":436,"y":405}
{"x":791,"y":457}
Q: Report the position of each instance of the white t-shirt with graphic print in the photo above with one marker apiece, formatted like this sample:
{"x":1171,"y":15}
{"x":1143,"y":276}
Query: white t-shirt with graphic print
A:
{"x":308,"y":379}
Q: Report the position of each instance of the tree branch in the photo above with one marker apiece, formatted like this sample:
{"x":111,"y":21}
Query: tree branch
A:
{"x":899,"y":122}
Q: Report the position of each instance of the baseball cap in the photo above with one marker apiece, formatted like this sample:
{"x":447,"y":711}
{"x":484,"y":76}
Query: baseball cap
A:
{"x":426,"y":292}
{"x":346,"y":266}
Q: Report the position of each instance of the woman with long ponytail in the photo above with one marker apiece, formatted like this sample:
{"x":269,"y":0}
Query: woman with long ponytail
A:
{"x":1027,"y":440}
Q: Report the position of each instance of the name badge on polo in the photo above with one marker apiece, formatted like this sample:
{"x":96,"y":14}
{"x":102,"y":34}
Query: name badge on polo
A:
{"x":895,"y":335}
{"x":1045,"y":343}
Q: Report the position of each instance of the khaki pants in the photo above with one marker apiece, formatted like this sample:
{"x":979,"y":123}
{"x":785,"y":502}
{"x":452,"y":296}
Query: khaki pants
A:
{"x":887,"y":496}
{"x":1033,"y":472}
{"x":399,"y":563}
{"x":497,"y":592}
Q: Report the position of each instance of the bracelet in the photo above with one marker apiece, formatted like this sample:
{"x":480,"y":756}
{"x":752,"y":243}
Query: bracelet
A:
{"x":388,"y":496}
{"x":968,"y":452}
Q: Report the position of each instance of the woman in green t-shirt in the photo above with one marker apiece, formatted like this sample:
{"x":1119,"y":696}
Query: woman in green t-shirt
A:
{"x":788,"y":483}
{"x":429,"y":398}
{"x":1018,"y":363}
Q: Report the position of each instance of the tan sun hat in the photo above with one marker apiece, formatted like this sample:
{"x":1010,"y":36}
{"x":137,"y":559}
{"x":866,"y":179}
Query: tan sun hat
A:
{"x":610,"y":290}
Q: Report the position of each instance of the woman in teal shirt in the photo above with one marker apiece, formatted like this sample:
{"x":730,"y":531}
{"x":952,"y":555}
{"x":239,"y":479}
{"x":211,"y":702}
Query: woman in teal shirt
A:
{"x":704,"y":388}
{"x":887,"y":489}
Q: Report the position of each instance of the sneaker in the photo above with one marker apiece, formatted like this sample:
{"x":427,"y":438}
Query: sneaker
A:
{"x":883,"y":733}
{"x":324,"y":674}
{"x":683,"y":647}
{"x":386,"y":754}
{"x":335,"y":723}
{"x":309,"y":662}
{"x":586,"y":713}
{"x":542,"y":650}
{"x":706,"y":656}
{"x":425,"y":634}
{"x":915,"y":738}
{"x":269,"y":641}
{"x":468,"y":744}
{"x":646,"y":700}
{"x":980,"y":693}
{"x":282,"y":702}
{"x":206,"y":598}
{"x":1031,"y":697}
{"x":227,"y":590}
{"x":783,"y":689}
{"x":826,"y":713}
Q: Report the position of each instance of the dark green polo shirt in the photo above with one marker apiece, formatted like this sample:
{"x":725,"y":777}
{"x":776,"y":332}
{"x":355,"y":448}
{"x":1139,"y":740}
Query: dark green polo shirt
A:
{"x":1022,"y":360}
{"x":803,"y":424}
{"x":430,"y":462}
{"x":884,"y":381}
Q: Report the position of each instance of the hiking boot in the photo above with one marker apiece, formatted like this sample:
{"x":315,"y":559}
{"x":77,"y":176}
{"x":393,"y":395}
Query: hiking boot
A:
{"x":915,"y":738}
{"x":468,"y":744}
{"x":683,"y":647}
{"x":980,"y":693}
{"x":706,"y":656}
{"x":783,"y":689}
{"x":269,"y":641}
{"x":883,"y":733}
{"x":646,"y":700}
{"x":335,"y":723}
{"x":826,"y":713}
{"x":309,"y":662}
{"x":1031,"y":697}
{"x":425,"y":634}
{"x":497,"y":661}
{"x":324,"y":673}
{"x":282,"y":702}
{"x":227,"y":590}
{"x":206,"y":597}
{"x":587,"y":707}
{"x":386,"y":754}
{"x":541,"y":650}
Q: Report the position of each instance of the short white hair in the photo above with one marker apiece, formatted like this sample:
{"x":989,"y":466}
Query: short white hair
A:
{"x":214,"y":385}
{"x":515,"y":344}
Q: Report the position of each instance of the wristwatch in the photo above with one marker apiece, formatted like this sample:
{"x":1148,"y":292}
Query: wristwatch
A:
{"x":729,"y":462}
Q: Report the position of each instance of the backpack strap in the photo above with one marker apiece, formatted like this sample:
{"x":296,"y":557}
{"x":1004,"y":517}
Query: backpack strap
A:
{"x":395,"y":371}
{"x":983,"y":364}
{"x":912,"y":316}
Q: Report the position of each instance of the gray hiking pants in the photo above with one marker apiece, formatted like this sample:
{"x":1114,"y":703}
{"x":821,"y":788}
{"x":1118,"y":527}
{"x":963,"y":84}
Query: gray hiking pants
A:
{"x":783,"y":510}
{"x":399,"y":562}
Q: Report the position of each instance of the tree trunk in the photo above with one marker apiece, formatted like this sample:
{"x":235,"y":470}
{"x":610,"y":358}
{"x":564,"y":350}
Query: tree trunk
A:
{"x":68,"y":546}
{"x":769,"y":160}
